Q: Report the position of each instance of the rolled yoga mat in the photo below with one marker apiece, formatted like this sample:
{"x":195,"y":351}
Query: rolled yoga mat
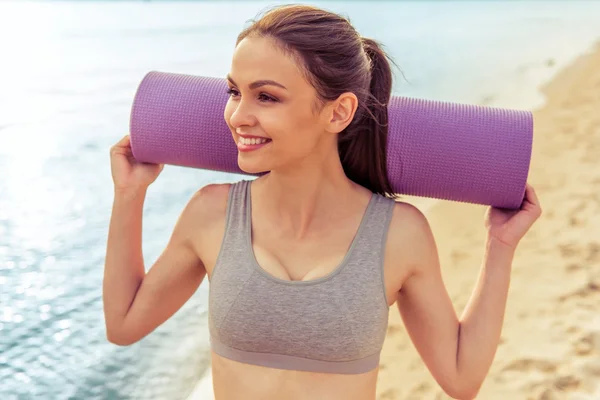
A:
{"x":466,"y":153}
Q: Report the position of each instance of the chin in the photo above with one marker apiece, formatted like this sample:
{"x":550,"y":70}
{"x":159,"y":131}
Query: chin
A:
{"x":254,"y":166}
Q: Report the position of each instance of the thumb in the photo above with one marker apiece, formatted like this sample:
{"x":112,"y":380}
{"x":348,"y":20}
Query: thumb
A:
{"x":123,"y":146}
{"x":124,"y":142}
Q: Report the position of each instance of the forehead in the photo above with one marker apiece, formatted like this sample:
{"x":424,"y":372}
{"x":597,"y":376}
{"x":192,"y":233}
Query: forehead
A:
{"x":260,"y":58}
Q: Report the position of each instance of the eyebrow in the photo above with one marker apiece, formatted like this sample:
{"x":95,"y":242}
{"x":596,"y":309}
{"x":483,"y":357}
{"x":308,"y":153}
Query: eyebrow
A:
{"x":257,"y":84}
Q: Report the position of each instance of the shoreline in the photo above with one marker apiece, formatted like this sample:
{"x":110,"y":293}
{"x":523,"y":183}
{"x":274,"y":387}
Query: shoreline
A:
{"x":459,"y":232}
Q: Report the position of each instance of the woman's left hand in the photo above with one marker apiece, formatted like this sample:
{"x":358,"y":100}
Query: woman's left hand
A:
{"x":509,"y":226}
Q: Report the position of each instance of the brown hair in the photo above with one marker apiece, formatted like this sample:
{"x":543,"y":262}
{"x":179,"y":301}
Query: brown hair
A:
{"x":336,"y":59}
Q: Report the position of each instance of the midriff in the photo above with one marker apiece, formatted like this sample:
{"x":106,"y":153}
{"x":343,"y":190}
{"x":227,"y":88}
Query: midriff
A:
{"x":233,"y":380}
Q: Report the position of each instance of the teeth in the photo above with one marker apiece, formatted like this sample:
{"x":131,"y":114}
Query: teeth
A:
{"x":251,"y":141}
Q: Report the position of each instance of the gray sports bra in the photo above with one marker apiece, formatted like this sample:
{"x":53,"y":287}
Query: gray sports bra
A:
{"x":336,"y":323}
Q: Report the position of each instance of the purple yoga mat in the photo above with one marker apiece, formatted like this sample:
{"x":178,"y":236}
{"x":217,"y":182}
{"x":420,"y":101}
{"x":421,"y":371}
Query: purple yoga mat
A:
{"x":467,"y":153}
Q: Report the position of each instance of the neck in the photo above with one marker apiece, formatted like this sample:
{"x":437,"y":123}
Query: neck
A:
{"x":314,"y":189}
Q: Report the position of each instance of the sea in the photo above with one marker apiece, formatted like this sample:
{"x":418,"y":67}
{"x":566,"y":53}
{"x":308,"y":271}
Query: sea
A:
{"x":68,"y":74}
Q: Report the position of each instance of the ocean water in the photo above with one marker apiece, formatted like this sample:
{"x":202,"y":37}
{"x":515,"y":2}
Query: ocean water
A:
{"x":68,"y":74}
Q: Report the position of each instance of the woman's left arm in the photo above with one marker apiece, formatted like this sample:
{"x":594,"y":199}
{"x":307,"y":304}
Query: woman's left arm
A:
{"x":459,"y":352}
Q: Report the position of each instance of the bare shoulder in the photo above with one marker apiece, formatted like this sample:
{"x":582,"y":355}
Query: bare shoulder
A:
{"x":206,"y":207}
{"x":209,"y":201}
{"x":407,"y":216}
{"x":410,"y":244}
{"x":205,"y":214}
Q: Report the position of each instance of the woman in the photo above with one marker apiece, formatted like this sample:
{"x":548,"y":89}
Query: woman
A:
{"x":305,"y":261}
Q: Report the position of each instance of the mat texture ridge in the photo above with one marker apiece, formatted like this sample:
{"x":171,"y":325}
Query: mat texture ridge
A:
{"x":442,"y":150}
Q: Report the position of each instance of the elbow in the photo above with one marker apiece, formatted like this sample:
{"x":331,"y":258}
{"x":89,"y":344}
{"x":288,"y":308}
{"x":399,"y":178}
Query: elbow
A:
{"x":118,"y":338}
{"x":467,"y":395}
{"x":120,"y":341}
{"x":462,"y":392}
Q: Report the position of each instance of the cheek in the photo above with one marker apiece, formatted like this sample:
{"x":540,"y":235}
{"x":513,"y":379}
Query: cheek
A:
{"x":293,"y":130}
{"x":305,"y":135}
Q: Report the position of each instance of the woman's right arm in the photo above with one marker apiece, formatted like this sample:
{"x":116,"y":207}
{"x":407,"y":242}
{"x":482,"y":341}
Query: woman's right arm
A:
{"x":136,"y":302}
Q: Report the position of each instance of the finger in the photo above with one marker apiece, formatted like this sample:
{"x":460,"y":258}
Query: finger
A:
{"x":531,"y":203}
{"x":123,"y":144}
{"x":531,"y":195}
{"x":124,"y":141}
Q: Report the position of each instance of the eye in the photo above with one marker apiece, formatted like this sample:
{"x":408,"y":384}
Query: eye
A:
{"x":266,"y":98}
{"x":232,"y":92}
{"x":262,"y":97}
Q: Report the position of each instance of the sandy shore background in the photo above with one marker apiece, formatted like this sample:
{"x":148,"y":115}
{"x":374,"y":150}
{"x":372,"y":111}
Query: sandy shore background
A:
{"x":550,"y":346}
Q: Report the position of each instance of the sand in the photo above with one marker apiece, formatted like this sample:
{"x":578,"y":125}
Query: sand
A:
{"x":550,"y":345}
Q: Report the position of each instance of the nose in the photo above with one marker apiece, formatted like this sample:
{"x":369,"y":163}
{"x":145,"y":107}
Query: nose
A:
{"x":240,"y":114}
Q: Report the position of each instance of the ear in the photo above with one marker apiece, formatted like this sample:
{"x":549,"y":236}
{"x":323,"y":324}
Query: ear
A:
{"x":341,"y":112}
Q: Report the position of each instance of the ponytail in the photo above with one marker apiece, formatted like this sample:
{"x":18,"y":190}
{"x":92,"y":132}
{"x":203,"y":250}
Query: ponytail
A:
{"x":363,"y":147}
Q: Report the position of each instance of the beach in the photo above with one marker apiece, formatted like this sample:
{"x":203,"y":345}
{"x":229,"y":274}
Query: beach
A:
{"x":68,"y":77}
{"x":550,"y":345}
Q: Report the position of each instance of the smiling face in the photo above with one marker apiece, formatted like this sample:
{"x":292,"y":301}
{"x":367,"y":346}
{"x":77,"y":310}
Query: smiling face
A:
{"x":271,"y":109}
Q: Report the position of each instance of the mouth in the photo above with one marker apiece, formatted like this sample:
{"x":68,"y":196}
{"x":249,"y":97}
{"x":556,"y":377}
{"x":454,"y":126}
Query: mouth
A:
{"x":246,"y":144}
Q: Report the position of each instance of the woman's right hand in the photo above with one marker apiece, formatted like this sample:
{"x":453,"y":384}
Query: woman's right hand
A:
{"x":128,"y":173}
